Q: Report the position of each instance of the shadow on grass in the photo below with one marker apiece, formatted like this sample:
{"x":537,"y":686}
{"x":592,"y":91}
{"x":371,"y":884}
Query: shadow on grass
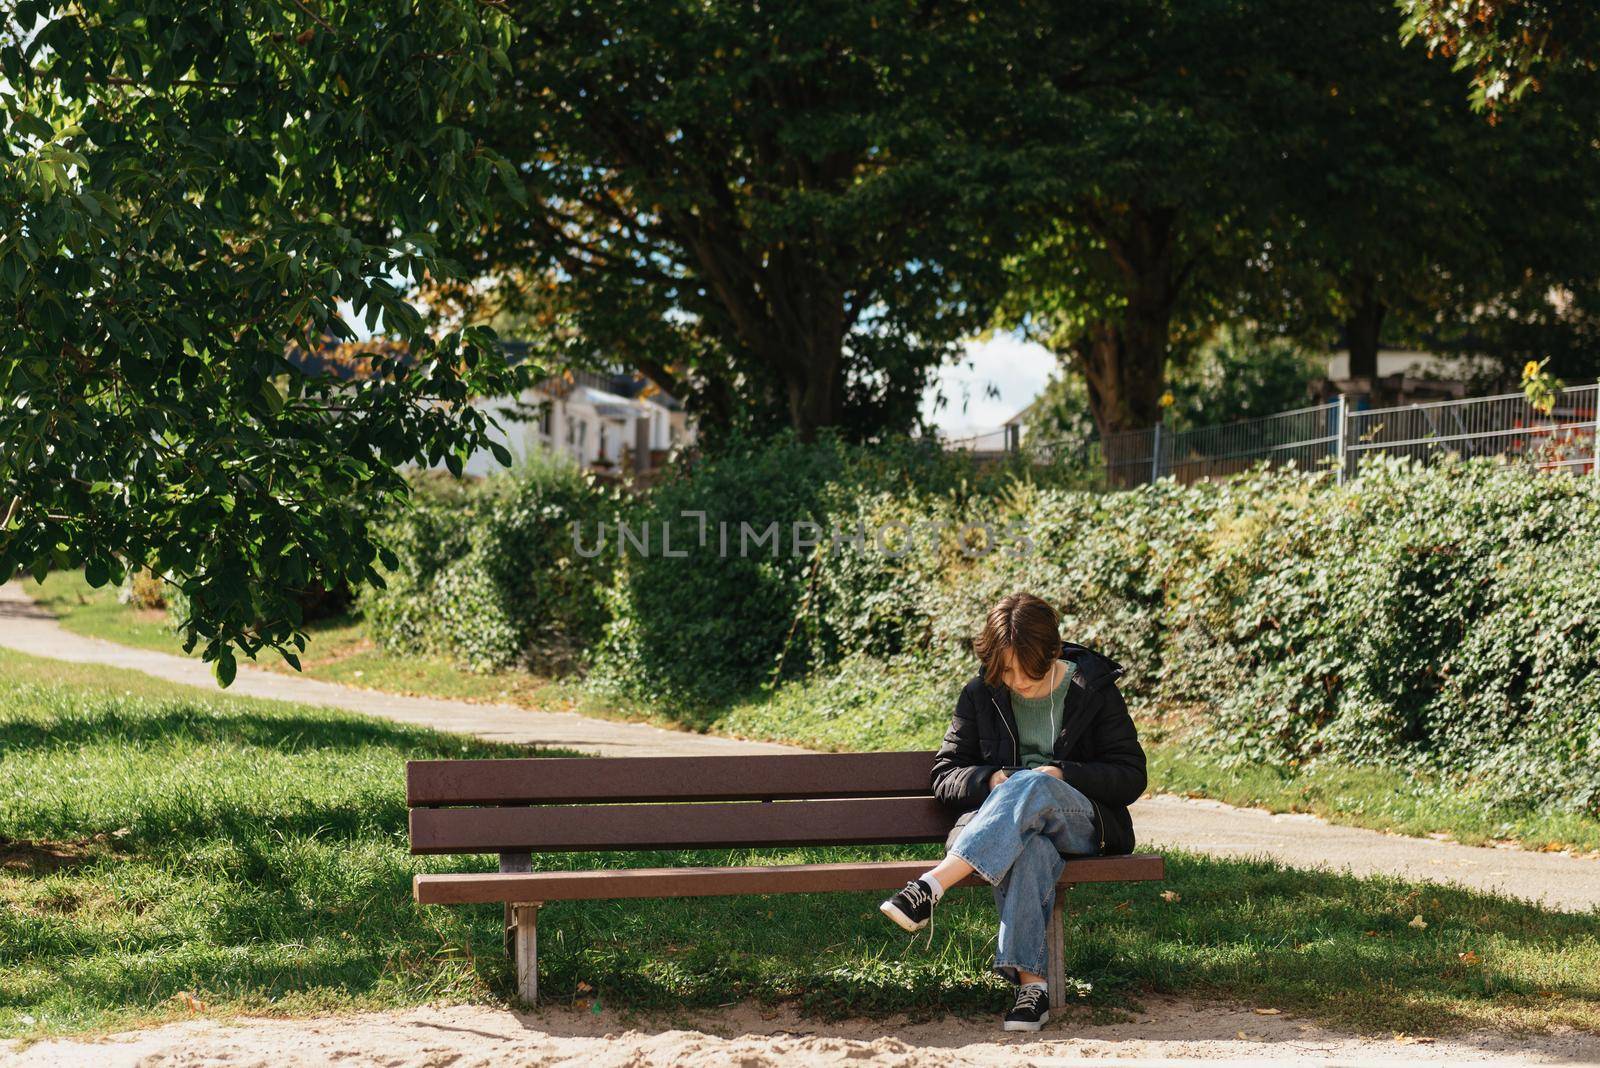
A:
{"x":297,"y":915}
{"x":176,"y":722}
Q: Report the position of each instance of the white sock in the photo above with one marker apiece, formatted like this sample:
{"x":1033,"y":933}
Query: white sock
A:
{"x":933,"y":884}
{"x":1041,"y":985}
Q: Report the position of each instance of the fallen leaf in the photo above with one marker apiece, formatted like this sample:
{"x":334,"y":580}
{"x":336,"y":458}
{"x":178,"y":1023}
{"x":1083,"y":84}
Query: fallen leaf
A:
{"x":1418,"y":922}
{"x":189,"y":1001}
{"x":1405,"y":1039}
{"x":583,"y":987}
{"x":1171,"y":896}
{"x":1269,"y":1012}
{"x":1124,"y":906}
{"x":1469,"y":958}
{"x":1248,"y":1037}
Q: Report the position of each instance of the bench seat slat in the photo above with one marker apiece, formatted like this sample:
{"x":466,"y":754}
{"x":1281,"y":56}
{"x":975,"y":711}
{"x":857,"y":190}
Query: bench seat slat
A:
{"x":759,"y":777}
{"x":489,"y":887}
{"x":690,"y":825}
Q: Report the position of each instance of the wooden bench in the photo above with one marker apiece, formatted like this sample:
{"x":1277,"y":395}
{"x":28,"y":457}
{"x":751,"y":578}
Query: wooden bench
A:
{"x":518,"y":807}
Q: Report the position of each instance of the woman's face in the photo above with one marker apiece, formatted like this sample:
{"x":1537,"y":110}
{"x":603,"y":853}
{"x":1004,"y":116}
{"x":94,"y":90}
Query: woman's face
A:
{"x":1014,"y":677}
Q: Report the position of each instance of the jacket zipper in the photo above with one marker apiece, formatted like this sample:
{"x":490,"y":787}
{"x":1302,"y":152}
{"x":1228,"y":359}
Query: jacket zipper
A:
{"x":1101,"y":820}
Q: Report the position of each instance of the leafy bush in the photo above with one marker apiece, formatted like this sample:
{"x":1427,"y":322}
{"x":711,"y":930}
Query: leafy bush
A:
{"x":488,"y":573}
{"x":1443,"y":617}
{"x":1446,"y":615}
{"x":143,"y":588}
{"x":708,"y":626}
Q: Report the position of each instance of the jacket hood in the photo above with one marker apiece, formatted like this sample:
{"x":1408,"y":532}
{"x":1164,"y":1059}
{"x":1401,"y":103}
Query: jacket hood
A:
{"x":1092,"y":670}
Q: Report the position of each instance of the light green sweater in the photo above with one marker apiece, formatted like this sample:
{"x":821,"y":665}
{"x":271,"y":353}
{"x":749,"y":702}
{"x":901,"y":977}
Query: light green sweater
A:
{"x":1039,"y":720}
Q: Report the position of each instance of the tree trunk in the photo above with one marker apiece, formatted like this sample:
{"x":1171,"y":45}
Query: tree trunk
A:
{"x":1125,"y":359}
{"x":1362,"y":327}
{"x":1125,"y":372}
{"x":813,"y":366}
{"x":813,"y":400}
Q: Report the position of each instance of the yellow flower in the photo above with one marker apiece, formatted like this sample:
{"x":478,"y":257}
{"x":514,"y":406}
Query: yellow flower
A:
{"x":1166,"y":399}
{"x":1530,"y":369}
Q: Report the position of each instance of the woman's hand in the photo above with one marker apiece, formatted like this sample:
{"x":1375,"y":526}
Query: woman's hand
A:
{"x":1050,"y":770}
{"x":997,"y":778}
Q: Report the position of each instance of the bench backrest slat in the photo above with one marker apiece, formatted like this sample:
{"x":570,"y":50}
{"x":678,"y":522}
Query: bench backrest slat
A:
{"x":600,"y":780}
{"x":852,"y":821}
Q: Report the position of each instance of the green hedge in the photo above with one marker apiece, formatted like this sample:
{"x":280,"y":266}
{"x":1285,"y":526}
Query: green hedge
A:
{"x":489,"y":574}
{"x":706,"y":627}
{"x":1446,"y":617}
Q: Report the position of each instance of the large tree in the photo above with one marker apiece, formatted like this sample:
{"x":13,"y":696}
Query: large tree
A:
{"x":184,"y":190}
{"x":783,"y":211}
{"x":1293,"y":165}
{"x":1170,"y":170}
{"x":1409,"y":214}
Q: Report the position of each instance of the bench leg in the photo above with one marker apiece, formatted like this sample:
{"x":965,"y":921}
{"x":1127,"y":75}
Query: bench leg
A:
{"x":1055,"y":942}
{"x":527,"y":955}
{"x":514,"y":862}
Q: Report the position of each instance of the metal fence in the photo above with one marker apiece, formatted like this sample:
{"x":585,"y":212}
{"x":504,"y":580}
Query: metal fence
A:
{"x":1340,"y":435}
{"x":1302,"y":437}
{"x":1505,"y":425}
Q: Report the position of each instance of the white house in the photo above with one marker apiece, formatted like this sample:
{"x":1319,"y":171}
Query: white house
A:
{"x":604,"y":422}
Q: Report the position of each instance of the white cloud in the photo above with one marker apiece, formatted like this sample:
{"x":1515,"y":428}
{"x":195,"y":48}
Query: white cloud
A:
{"x":1016,"y":369}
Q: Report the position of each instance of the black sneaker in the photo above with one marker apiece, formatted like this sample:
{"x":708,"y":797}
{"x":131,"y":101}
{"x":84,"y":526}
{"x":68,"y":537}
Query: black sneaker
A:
{"x":1031,"y":1010}
{"x":911,"y":906}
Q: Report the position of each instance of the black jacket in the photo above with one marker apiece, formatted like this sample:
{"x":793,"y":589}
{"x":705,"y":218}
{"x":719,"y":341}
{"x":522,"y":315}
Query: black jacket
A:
{"x":1097,"y":750}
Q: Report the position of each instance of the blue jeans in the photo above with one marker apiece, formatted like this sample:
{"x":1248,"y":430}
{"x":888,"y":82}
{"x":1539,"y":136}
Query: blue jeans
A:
{"x":1016,"y":842}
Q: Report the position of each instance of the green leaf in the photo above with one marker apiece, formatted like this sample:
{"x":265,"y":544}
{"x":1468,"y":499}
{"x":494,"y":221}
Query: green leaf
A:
{"x":33,"y":125}
{"x":225,"y":668}
{"x":271,"y":396}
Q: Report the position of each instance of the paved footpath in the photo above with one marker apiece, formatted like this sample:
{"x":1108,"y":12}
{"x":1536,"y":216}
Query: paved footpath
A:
{"x":1560,"y":881}
{"x":27,"y":628}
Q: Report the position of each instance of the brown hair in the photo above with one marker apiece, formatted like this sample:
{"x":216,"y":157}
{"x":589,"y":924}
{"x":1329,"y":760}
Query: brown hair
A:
{"x":1024,"y":624}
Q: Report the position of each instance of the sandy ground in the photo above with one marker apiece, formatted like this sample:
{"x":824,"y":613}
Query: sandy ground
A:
{"x":1169,"y":1031}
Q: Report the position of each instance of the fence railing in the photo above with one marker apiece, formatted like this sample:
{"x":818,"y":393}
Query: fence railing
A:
{"x":1339,"y":436}
{"x":1505,"y":425}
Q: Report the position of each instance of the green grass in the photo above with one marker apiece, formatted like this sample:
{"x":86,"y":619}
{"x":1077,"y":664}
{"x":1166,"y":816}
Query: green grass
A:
{"x":162,"y":845}
{"x":872,"y":706}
